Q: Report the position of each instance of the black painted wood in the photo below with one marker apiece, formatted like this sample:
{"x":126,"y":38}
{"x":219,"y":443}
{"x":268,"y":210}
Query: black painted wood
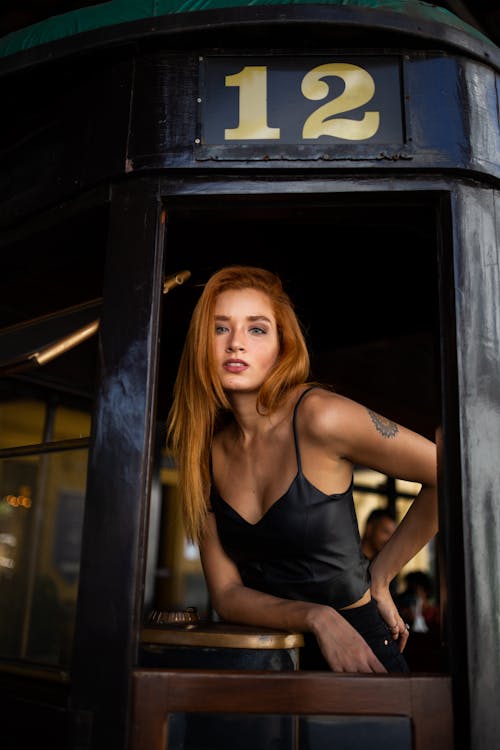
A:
{"x":66,"y":132}
{"x":452,"y":554}
{"x":67,"y":125}
{"x":34,"y":717}
{"x":113,"y":546}
{"x":477,"y":280}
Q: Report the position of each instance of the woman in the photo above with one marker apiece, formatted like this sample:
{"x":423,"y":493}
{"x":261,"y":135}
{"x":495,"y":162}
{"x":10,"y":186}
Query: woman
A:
{"x":266,"y":468}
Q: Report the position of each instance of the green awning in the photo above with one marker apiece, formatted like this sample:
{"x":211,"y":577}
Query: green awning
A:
{"x":118,"y":12}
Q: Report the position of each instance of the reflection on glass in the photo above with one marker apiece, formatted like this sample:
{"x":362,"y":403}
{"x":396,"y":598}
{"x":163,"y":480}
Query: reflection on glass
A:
{"x":180,"y":582}
{"x":231,"y":731}
{"x":18,"y":479}
{"x":69,"y":424}
{"x":21,"y":422}
{"x":371,"y":491}
{"x":368,"y":732}
{"x":41,"y":515}
{"x":196,"y":731}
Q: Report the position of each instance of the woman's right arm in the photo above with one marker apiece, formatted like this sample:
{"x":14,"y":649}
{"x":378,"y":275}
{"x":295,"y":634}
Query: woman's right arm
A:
{"x":341,"y":645}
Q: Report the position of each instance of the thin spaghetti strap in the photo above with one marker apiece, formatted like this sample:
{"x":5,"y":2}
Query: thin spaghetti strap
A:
{"x":296,"y":442}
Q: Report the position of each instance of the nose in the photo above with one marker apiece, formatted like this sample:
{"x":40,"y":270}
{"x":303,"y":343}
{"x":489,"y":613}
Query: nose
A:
{"x":234,"y":347}
{"x":235,"y":343}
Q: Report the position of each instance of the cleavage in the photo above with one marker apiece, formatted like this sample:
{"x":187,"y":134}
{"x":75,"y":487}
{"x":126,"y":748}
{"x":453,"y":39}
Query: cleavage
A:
{"x":261,"y":514}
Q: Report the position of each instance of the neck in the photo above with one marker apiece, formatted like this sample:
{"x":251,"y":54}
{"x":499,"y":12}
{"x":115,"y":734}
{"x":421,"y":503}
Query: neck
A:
{"x":248,"y":422}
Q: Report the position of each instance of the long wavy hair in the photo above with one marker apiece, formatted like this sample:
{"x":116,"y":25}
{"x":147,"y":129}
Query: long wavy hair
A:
{"x":200,"y":404}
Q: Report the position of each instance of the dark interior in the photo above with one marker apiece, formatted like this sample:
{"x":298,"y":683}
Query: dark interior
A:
{"x":361,"y":270}
{"x":52,"y":266}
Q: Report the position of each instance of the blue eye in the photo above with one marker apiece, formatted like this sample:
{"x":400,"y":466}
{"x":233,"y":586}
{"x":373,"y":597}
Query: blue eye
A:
{"x":220,"y":329}
{"x":257,"y":330}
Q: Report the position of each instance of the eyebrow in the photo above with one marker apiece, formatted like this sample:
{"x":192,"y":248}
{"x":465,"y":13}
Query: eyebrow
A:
{"x":251,"y":318}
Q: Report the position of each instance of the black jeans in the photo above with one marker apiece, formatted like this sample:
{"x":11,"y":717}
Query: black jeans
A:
{"x":370,"y":624}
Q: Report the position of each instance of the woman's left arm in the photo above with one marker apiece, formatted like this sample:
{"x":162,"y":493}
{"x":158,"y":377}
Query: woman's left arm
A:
{"x":368,"y":439}
{"x":418,"y":526}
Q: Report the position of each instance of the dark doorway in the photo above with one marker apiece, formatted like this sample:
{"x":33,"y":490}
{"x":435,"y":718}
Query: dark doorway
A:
{"x":361,"y":270}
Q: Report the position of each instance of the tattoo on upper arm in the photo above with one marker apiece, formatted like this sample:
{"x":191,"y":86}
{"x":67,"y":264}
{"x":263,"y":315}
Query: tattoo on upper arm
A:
{"x":386,"y":427}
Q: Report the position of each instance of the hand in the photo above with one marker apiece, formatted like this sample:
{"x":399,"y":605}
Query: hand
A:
{"x":400,"y":630}
{"x":342,"y":646}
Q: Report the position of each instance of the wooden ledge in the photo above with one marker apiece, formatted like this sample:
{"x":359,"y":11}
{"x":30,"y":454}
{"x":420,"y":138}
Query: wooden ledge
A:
{"x":221,"y":635}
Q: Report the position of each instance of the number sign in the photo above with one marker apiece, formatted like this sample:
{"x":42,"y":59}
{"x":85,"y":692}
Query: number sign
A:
{"x":300,"y":100}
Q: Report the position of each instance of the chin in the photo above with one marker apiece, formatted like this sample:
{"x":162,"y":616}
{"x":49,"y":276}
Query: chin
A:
{"x":239,"y":387}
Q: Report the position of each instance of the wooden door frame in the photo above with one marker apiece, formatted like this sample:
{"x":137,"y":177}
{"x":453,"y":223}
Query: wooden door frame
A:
{"x":156,"y":693}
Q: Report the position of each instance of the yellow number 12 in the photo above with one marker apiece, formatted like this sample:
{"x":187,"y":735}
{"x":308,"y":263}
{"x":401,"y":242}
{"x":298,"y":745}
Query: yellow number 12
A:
{"x":359,"y":90}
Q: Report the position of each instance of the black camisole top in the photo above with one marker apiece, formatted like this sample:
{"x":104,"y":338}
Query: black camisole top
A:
{"x":305,"y":547}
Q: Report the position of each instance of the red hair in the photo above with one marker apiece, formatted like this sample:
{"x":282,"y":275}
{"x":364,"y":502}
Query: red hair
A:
{"x":199,"y":400}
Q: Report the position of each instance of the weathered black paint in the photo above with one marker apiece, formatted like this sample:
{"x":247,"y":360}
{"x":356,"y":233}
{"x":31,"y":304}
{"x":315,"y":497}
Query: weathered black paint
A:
{"x":70,"y":129}
{"x":114,"y":536}
{"x":477,"y":281}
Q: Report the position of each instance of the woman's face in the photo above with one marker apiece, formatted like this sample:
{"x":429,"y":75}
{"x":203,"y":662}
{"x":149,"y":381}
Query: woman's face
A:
{"x":245,"y":339}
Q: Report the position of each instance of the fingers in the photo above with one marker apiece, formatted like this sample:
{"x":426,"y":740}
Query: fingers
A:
{"x":401,"y":632}
{"x":362,"y":662}
{"x":366,"y":663}
{"x":345,"y":649}
{"x":372,"y":664}
{"x":403,"y":638}
{"x":395,"y":630}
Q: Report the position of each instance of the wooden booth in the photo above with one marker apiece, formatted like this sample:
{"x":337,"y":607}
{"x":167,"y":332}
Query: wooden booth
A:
{"x":354,"y":148}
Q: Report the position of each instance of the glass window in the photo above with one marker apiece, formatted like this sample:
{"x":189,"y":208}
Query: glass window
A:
{"x":70,"y":423}
{"x":41,"y":516}
{"x":50,"y":294}
{"x":180,"y":582}
{"x":375,"y":490}
{"x":22,"y":422}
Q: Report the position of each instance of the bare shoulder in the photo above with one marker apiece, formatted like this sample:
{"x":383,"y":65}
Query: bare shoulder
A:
{"x":323,"y":413}
{"x":353,"y":431}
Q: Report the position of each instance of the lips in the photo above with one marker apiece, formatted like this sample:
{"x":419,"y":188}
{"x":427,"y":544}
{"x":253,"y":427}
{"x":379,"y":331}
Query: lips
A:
{"x":235,"y":365}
